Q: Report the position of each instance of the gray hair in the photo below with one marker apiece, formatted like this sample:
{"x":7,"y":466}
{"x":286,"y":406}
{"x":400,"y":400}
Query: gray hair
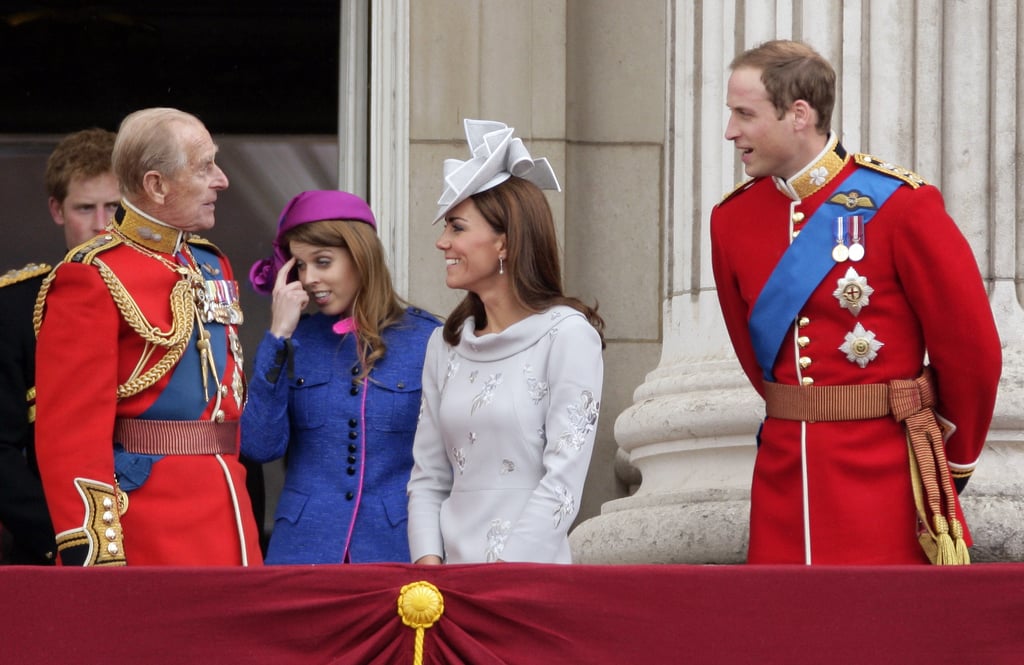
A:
{"x":147,"y":141}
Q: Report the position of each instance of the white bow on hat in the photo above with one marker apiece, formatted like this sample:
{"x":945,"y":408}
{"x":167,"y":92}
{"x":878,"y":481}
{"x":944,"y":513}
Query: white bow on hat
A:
{"x":497,"y":156}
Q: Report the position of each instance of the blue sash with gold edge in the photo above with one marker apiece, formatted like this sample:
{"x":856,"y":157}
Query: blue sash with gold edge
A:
{"x":808,"y":259}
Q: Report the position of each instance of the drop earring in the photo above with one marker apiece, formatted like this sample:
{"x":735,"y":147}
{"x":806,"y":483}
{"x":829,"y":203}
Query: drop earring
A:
{"x":501,"y":265}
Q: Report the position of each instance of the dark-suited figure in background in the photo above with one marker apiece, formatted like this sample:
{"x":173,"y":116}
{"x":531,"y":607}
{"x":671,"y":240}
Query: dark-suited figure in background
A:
{"x":83,"y":196}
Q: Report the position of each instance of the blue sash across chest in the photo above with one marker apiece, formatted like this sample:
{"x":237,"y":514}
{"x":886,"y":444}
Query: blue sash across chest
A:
{"x":806,"y":263}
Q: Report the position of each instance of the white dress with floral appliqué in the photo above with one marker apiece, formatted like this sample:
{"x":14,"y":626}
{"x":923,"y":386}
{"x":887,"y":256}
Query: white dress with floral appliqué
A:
{"x":504,"y":440}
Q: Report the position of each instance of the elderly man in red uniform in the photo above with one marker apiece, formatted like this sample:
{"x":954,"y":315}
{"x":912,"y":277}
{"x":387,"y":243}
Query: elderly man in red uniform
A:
{"x":139,"y":369}
{"x":838,"y":274}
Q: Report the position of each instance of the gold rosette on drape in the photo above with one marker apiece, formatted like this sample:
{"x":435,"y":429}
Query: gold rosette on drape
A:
{"x":420,"y":605}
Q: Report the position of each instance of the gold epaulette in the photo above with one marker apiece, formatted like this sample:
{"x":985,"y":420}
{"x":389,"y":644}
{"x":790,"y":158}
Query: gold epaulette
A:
{"x":740,"y":187}
{"x":87,"y":251}
{"x":888,"y":168}
{"x":21,"y":274}
{"x":193,"y":239}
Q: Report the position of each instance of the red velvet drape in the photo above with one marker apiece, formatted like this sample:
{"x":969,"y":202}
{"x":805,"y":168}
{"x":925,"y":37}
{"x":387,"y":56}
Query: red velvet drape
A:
{"x":516,"y":613}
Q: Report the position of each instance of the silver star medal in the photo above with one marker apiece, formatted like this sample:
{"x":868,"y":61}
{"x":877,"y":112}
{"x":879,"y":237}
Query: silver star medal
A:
{"x":860,"y":346}
{"x":852,"y":291}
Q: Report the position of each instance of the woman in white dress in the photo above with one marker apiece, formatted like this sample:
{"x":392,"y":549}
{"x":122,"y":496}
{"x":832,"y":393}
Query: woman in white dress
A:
{"x":512,"y":382}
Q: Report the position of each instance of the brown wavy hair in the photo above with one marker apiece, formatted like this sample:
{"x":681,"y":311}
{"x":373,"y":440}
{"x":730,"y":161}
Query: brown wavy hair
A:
{"x":519,"y":209}
{"x":84,"y":154}
{"x":376,"y":305}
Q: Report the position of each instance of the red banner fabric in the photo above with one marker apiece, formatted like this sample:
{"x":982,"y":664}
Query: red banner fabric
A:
{"x":516,"y":613}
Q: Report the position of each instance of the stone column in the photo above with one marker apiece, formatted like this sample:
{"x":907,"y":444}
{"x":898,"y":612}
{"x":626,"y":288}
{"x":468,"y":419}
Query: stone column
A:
{"x":929,"y":85}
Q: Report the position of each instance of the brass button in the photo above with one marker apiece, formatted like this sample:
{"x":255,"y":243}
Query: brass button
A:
{"x":798,"y":217}
{"x":796,"y":233}
{"x":807,"y":380}
{"x":805,"y":362}
{"x":803,"y":341}
{"x":219,"y":416}
{"x":803,"y":322}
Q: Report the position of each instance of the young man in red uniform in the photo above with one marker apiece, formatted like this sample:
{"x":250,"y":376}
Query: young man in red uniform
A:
{"x":836,"y":274}
{"x":139,"y":369}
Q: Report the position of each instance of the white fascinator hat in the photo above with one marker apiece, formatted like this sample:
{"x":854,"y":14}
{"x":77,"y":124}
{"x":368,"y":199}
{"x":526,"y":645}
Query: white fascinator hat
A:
{"x":496,"y":157}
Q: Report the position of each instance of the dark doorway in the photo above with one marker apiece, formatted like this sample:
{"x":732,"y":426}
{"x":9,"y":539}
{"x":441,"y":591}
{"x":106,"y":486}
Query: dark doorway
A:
{"x":242,"y":67}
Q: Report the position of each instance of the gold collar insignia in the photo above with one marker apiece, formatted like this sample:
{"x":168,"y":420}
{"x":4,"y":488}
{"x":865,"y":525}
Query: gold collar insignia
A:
{"x":147,"y":233}
{"x":818,"y":173}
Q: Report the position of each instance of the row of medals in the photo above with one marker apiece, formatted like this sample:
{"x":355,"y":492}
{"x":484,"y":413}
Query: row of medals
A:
{"x":851,"y":227}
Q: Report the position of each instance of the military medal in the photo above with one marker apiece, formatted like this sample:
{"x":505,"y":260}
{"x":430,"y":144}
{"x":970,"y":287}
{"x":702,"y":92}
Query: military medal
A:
{"x":852,"y":291}
{"x":856,"y":237}
{"x":840,"y":252}
{"x":860,"y":346}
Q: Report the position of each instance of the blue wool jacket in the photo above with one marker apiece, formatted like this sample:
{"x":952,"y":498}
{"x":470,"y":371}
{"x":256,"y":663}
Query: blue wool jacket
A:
{"x":346,"y":476}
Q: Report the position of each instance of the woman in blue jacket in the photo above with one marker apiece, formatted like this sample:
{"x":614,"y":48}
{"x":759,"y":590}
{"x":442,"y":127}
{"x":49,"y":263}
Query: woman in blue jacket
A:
{"x":338,"y":391}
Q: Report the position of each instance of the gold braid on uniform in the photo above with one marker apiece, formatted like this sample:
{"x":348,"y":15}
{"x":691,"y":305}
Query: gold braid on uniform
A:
{"x":37,"y":311}
{"x":174,"y":340}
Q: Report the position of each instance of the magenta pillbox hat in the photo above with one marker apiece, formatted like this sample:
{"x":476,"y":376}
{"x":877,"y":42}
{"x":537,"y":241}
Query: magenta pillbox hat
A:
{"x":312,"y":206}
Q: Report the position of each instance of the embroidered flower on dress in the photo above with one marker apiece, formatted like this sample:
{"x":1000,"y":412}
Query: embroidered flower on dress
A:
{"x":818,"y":176}
{"x":496,"y":537}
{"x":860,"y":346}
{"x":487,"y":394}
{"x":566,"y":504}
{"x":472,"y":438}
{"x":538,"y":389}
{"x":460,"y":458}
{"x":582,"y":421}
{"x":507,"y":466}
{"x":472,"y":376}
{"x":453,"y":368}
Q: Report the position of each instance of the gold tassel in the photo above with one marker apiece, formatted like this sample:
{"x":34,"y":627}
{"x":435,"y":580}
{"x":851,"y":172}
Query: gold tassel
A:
{"x":946,"y":555}
{"x":963,"y":556}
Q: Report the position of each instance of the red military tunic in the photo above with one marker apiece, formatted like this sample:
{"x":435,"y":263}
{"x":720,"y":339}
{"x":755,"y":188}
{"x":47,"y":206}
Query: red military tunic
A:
{"x":920,"y":291}
{"x":116,"y":346}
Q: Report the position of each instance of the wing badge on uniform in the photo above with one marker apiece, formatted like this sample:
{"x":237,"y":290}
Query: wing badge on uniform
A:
{"x":853,"y":200}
